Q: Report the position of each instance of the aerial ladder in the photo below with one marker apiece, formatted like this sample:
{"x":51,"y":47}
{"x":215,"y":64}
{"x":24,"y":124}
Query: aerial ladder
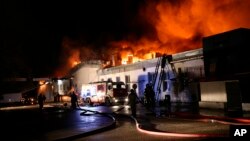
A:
{"x":160,"y":74}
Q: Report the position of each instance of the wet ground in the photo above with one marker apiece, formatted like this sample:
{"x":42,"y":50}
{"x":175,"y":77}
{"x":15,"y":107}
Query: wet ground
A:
{"x":57,"y":122}
{"x":52,"y":123}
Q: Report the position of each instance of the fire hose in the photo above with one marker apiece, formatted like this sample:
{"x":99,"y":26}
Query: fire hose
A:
{"x":139,"y":127}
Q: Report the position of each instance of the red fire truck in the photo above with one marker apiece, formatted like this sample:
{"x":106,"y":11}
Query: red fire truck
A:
{"x":104,"y":92}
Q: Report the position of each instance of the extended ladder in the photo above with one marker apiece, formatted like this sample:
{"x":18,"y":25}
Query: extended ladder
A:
{"x":156,"y":71}
{"x":161,"y":61}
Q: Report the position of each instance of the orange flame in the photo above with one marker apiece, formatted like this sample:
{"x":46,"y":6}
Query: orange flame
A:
{"x":188,"y":20}
{"x":74,"y":59}
{"x":181,"y":24}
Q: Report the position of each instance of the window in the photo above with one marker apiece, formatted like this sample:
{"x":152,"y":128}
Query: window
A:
{"x":118,"y":79}
{"x":60,"y":87}
{"x":127,"y":81}
{"x":150,"y":77}
{"x":100,"y":87}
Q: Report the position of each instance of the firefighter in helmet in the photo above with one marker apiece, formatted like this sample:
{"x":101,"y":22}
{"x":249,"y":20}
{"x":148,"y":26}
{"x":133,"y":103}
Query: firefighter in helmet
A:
{"x":132,"y":100}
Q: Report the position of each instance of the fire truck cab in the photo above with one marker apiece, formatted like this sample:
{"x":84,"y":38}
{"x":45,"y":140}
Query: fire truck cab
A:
{"x":104,"y":92}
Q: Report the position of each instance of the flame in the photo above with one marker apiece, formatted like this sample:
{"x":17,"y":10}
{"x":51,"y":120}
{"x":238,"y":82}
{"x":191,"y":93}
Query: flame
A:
{"x":41,"y":82}
{"x":42,"y":86}
{"x":74,"y":59}
{"x":177,"y":26}
{"x":132,"y":52}
{"x":180,"y":25}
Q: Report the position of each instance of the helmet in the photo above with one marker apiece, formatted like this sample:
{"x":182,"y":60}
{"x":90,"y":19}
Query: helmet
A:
{"x":134,"y":86}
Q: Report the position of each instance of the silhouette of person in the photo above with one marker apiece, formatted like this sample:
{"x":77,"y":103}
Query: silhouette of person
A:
{"x":167,"y":103}
{"x":152,"y":96}
{"x":132,"y":100}
{"x":73,"y":99}
{"x":164,"y":61}
{"x":149,"y":95}
{"x":134,"y":86}
{"x":41,"y":99}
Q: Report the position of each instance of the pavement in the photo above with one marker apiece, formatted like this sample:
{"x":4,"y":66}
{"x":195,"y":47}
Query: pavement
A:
{"x":54,"y":122}
{"x":187,"y":122}
{"x":57,"y":122}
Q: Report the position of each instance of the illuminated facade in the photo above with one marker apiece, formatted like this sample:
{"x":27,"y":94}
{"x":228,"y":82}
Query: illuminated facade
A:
{"x":143,"y":72}
{"x":188,"y":77}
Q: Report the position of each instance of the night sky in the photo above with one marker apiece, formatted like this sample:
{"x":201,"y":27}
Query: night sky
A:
{"x":32,"y":31}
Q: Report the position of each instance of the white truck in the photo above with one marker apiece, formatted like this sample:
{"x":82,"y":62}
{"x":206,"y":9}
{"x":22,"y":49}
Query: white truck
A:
{"x":104,"y":92}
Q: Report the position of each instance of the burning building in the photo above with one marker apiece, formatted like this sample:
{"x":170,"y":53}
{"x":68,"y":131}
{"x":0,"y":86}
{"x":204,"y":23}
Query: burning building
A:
{"x":190,"y":75}
{"x":143,"y":72}
{"x":188,"y":30}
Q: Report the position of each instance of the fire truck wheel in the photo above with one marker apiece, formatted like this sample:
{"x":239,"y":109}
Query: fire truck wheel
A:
{"x":88,"y":101}
{"x":107,"y":101}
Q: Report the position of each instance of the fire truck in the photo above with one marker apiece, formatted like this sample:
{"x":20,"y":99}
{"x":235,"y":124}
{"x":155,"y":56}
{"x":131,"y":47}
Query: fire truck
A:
{"x":104,"y":92}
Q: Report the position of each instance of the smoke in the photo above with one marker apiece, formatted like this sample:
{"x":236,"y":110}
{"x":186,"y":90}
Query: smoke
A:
{"x":164,"y":26}
{"x":73,"y":53}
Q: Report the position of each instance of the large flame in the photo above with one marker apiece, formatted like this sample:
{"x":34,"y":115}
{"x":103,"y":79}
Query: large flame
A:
{"x":191,"y":18}
{"x":131,"y":52}
{"x":181,"y":24}
{"x":178,"y":25}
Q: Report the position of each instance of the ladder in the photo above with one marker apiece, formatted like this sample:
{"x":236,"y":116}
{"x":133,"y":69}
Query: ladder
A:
{"x":156,"y":71}
{"x":161,"y":64}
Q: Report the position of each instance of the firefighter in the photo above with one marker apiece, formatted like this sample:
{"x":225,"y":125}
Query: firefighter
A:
{"x":163,"y":61}
{"x":73,"y":99}
{"x":134,"y":86}
{"x":41,"y":99}
{"x":149,"y":95}
{"x":152,"y":97}
{"x":132,"y":100}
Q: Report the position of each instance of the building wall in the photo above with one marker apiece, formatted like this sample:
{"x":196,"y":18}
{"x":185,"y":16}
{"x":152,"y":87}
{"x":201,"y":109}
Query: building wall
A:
{"x":84,"y":75}
{"x":221,"y":94}
{"x":134,"y":72}
{"x":213,"y":91}
{"x":139,"y":73}
{"x":191,"y":72}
